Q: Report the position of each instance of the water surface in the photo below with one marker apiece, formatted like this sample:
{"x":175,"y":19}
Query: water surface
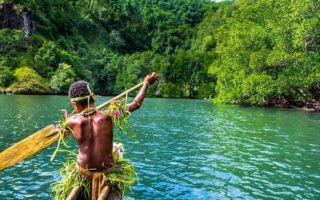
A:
{"x":187,"y":149}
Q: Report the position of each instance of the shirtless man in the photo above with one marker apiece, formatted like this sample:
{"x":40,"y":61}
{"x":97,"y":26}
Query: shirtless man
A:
{"x":93,"y":129}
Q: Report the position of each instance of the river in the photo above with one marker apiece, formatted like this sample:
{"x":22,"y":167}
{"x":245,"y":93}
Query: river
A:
{"x":186,"y":149}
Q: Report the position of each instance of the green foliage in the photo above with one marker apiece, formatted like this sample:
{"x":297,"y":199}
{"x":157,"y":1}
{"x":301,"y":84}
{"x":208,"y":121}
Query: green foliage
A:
{"x":115,"y":40}
{"x":48,"y":57}
{"x":170,"y":90}
{"x":28,"y":81}
{"x":71,"y":178}
{"x":206,"y":90}
{"x":130,"y":69}
{"x":242,"y":51}
{"x":62,"y":79}
{"x":266,"y":49}
{"x":6,"y":76}
{"x":112,"y":44}
{"x":10,"y":41}
{"x":122,"y":177}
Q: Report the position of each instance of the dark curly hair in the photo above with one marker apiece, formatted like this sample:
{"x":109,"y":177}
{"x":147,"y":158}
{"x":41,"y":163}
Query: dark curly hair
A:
{"x":80,"y":89}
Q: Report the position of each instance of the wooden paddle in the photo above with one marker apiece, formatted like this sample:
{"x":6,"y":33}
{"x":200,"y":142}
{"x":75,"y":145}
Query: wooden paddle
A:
{"x":41,"y":139}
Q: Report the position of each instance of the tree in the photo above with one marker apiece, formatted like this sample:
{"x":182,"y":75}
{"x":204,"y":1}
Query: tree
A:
{"x":267,"y":52}
{"x":6,"y":76}
{"x":49,"y":56}
{"x":28,"y":81}
{"x":62,"y":79}
{"x":10,"y":41}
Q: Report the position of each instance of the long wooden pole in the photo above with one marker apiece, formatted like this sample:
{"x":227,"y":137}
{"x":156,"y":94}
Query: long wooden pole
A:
{"x":102,"y":106}
{"x":41,"y":139}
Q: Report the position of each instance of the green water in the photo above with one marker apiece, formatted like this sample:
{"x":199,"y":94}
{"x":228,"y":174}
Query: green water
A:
{"x":187,"y":149}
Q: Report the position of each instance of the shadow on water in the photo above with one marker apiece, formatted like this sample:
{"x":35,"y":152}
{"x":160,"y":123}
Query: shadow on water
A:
{"x":186,"y":149}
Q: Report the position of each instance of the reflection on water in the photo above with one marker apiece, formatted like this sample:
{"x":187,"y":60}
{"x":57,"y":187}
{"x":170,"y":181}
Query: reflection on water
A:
{"x":187,"y":149}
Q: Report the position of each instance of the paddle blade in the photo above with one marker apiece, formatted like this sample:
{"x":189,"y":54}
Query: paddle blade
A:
{"x":28,"y":146}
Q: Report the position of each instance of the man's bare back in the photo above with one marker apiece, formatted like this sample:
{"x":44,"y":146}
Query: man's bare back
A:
{"x":94,"y":135}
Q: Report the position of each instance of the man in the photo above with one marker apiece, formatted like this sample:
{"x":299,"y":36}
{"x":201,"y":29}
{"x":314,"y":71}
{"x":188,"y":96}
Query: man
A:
{"x":93,"y":131}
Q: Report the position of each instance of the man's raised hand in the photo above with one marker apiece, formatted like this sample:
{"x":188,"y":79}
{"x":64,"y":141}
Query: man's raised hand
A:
{"x":151,"y":78}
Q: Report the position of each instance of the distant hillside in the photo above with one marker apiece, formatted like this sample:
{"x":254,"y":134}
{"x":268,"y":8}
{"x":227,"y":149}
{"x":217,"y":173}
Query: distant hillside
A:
{"x":112,"y":44}
{"x":244,"y":52}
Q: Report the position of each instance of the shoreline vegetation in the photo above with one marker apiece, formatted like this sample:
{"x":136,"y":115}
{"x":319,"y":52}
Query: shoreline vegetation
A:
{"x":260,"y":53}
{"x":314,"y":108}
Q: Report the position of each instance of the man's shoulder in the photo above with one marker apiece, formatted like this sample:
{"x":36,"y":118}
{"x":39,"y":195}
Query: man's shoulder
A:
{"x":75,"y":119}
{"x":105,"y":113}
{"x":78,"y":119}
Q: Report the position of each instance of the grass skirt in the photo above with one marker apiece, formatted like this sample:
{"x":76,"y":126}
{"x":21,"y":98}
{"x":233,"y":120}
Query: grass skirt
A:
{"x":122,"y":177}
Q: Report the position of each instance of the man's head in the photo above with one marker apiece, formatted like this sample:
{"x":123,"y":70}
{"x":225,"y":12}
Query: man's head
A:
{"x":80,"y":95}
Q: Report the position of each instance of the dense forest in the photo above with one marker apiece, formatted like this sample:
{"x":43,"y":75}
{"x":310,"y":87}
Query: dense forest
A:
{"x":257,"y":52}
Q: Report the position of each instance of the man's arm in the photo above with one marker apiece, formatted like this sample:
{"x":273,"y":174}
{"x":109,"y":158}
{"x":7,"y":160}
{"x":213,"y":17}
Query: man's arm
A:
{"x":138,"y":100}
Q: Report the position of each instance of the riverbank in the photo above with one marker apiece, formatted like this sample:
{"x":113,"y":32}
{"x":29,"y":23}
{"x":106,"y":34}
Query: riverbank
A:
{"x":309,"y":106}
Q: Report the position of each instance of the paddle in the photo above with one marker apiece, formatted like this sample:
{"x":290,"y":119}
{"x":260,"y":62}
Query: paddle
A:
{"x":41,"y":139}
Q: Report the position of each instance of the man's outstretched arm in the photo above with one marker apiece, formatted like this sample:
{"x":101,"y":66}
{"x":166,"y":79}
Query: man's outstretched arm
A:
{"x":138,"y":100}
